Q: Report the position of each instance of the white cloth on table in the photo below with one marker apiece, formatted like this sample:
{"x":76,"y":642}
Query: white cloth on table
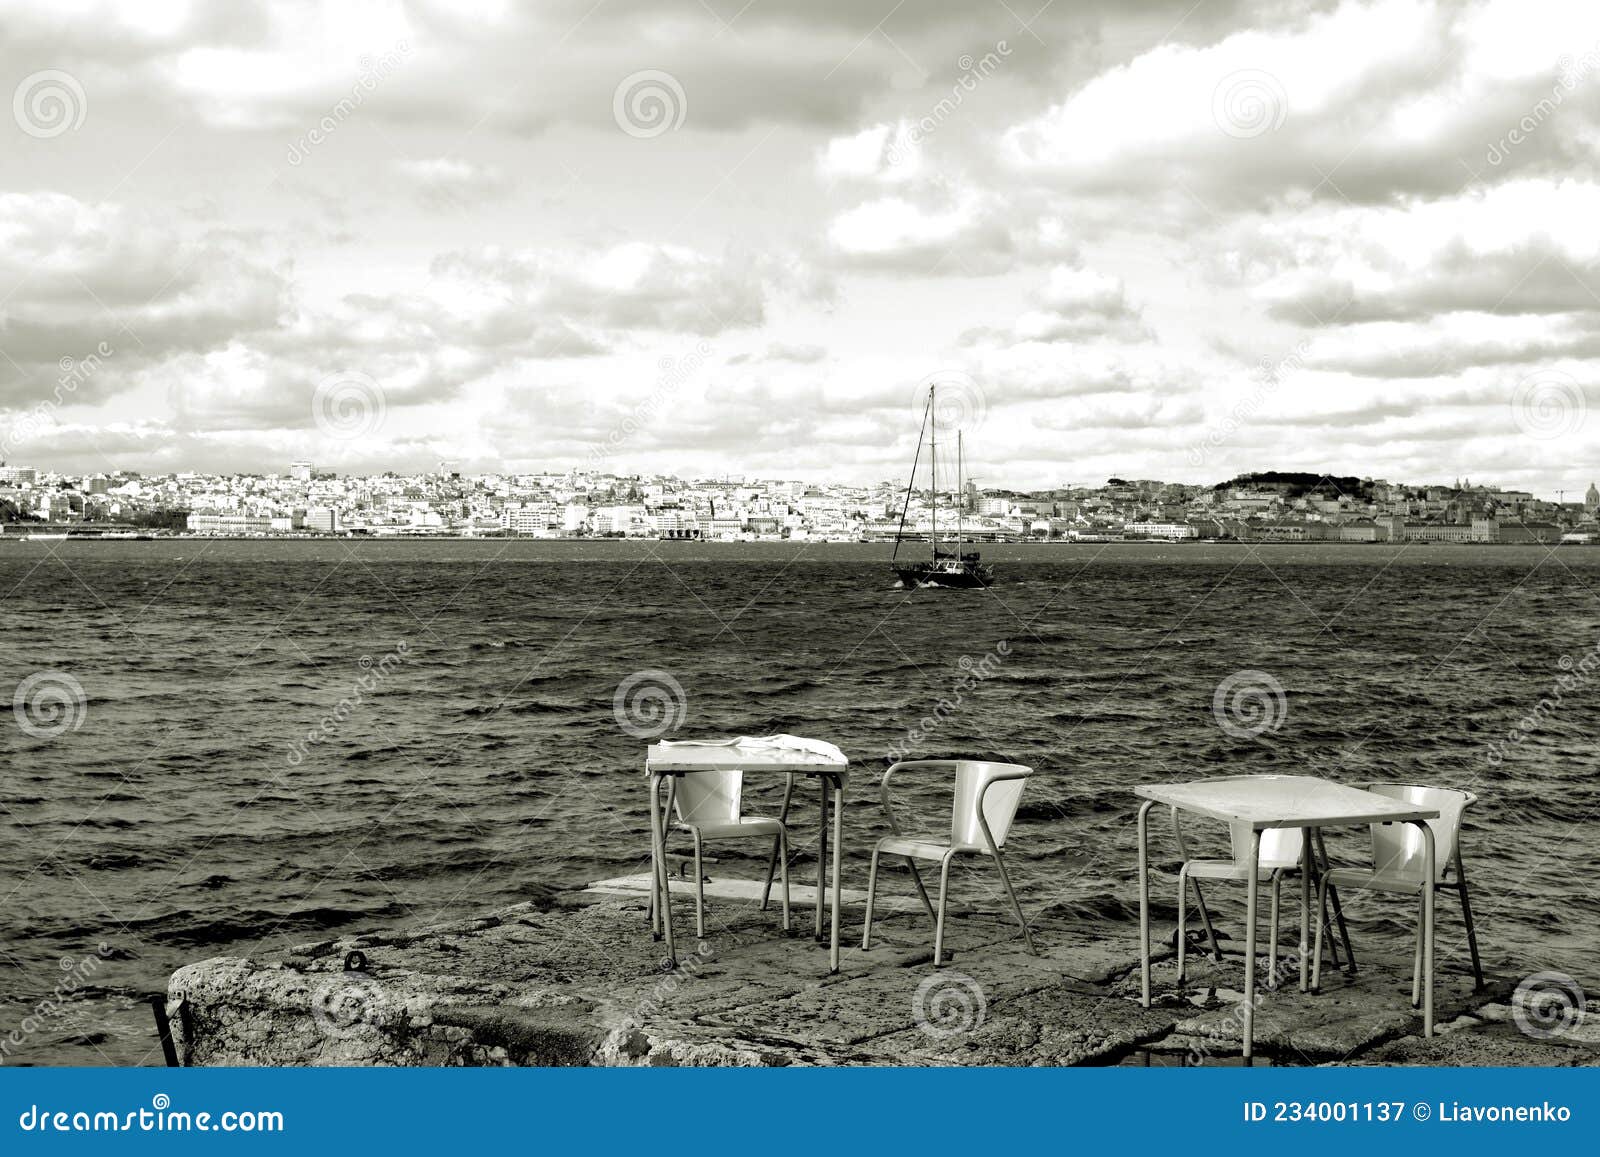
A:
{"x":818,"y":747}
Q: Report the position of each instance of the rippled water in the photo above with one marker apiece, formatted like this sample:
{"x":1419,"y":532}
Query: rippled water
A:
{"x":477,"y":759}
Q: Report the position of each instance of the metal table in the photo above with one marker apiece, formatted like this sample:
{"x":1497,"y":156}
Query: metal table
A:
{"x":1282,"y":801}
{"x":677,"y":759}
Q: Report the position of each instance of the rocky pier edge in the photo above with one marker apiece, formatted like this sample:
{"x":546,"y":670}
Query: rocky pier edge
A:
{"x":580,"y":981}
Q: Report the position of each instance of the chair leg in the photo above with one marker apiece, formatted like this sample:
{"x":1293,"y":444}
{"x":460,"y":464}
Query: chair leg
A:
{"x":1183,"y":920}
{"x":1205,"y":920}
{"x":1466,"y":914}
{"x":916,"y":878}
{"x":938,"y":920}
{"x":772,"y":871}
{"x":872,"y":890}
{"x":1199,"y":896}
{"x":1338,"y":915}
{"x":699,"y":890}
{"x":1322,"y":925}
{"x":772,"y":866}
{"x":1011,"y":894}
{"x":1416,"y":962}
{"x":1272,"y":934}
{"x":783,"y":861}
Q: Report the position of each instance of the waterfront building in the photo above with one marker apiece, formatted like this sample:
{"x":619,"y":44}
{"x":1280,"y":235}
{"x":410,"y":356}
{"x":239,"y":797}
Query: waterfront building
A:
{"x":229,"y":524}
{"x":1160,"y":529}
{"x":1438,"y":532}
{"x":1362,"y":530}
{"x":1546,"y":532}
{"x":322,"y":520}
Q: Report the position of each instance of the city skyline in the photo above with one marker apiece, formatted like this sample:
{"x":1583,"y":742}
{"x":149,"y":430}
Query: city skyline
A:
{"x":310,"y":471}
{"x":1155,"y":237}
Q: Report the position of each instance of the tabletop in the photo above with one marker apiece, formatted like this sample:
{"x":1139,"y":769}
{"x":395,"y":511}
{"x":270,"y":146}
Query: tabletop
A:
{"x":677,"y":757}
{"x":1283,"y":801}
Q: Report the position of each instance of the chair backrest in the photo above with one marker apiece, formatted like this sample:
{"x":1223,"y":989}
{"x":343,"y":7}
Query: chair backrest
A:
{"x":1004,"y":782}
{"x":710,"y":797}
{"x":1397,"y":848}
{"x":1280,"y":847}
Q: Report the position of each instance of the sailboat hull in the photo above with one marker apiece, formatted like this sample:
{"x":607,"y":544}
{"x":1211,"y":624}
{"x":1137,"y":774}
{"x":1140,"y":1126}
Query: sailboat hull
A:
{"x":966,"y":576}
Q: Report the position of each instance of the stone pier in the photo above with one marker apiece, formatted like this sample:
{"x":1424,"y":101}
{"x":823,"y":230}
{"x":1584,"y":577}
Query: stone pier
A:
{"x":583,"y":983}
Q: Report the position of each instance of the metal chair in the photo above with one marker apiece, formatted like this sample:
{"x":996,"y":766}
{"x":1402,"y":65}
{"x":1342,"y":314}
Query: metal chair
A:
{"x":1398,"y":866}
{"x":710,"y":806}
{"x":982,"y":809}
{"x":1282,"y":851}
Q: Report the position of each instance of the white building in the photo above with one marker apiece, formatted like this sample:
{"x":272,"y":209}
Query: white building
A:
{"x":323,"y":520}
{"x":1161,"y":529}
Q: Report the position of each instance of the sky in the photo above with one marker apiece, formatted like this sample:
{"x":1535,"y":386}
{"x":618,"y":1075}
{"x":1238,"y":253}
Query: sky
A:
{"x":1138,"y":238}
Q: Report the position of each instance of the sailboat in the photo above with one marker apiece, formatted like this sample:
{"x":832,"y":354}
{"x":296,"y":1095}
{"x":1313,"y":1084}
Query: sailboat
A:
{"x":957,"y":568}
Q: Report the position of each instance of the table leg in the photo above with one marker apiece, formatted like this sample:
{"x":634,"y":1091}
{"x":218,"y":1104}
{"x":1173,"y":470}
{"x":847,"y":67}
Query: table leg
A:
{"x":822,"y":854}
{"x":654,"y":916}
{"x":838,"y":847}
{"x":1427,"y":926}
{"x":1251,"y":888}
{"x":1144,"y":902}
{"x":658,"y":855}
{"x":1308,"y":859}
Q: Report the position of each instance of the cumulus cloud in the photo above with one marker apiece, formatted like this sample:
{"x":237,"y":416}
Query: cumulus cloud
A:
{"x":85,"y":277}
{"x":1074,"y":305}
{"x":1355,"y":103}
{"x":965,"y":232}
{"x":1521,"y":247}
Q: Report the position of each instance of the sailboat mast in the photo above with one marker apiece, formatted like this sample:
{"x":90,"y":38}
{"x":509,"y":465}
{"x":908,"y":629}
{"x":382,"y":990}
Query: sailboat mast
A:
{"x":911,"y":483}
{"x":960,"y":495}
{"x":933,"y":469}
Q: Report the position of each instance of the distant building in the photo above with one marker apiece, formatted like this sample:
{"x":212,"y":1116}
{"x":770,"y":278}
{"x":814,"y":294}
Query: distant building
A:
{"x":300,"y":471}
{"x":1362,"y":530}
{"x":1281,"y":531}
{"x":1529,"y":532}
{"x":322,"y":519}
{"x":228,"y":524}
{"x":1161,"y":529}
{"x":1591,"y":500}
{"x":1438,"y":532}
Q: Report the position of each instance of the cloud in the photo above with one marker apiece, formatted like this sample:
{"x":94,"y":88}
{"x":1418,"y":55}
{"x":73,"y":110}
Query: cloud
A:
{"x":85,"y":276}
{"x":276,"y":66}
{"x":451,"y":183}
{"x":1075,"y":305}
{"x":631,"y":285}
{"x":1451,"y":343}
{"x":1526,"y":246}
{"x":1352,"y":104}
{"x":965,"y":232}
{"x":800,"y":355}
{"x":884,"y":154}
